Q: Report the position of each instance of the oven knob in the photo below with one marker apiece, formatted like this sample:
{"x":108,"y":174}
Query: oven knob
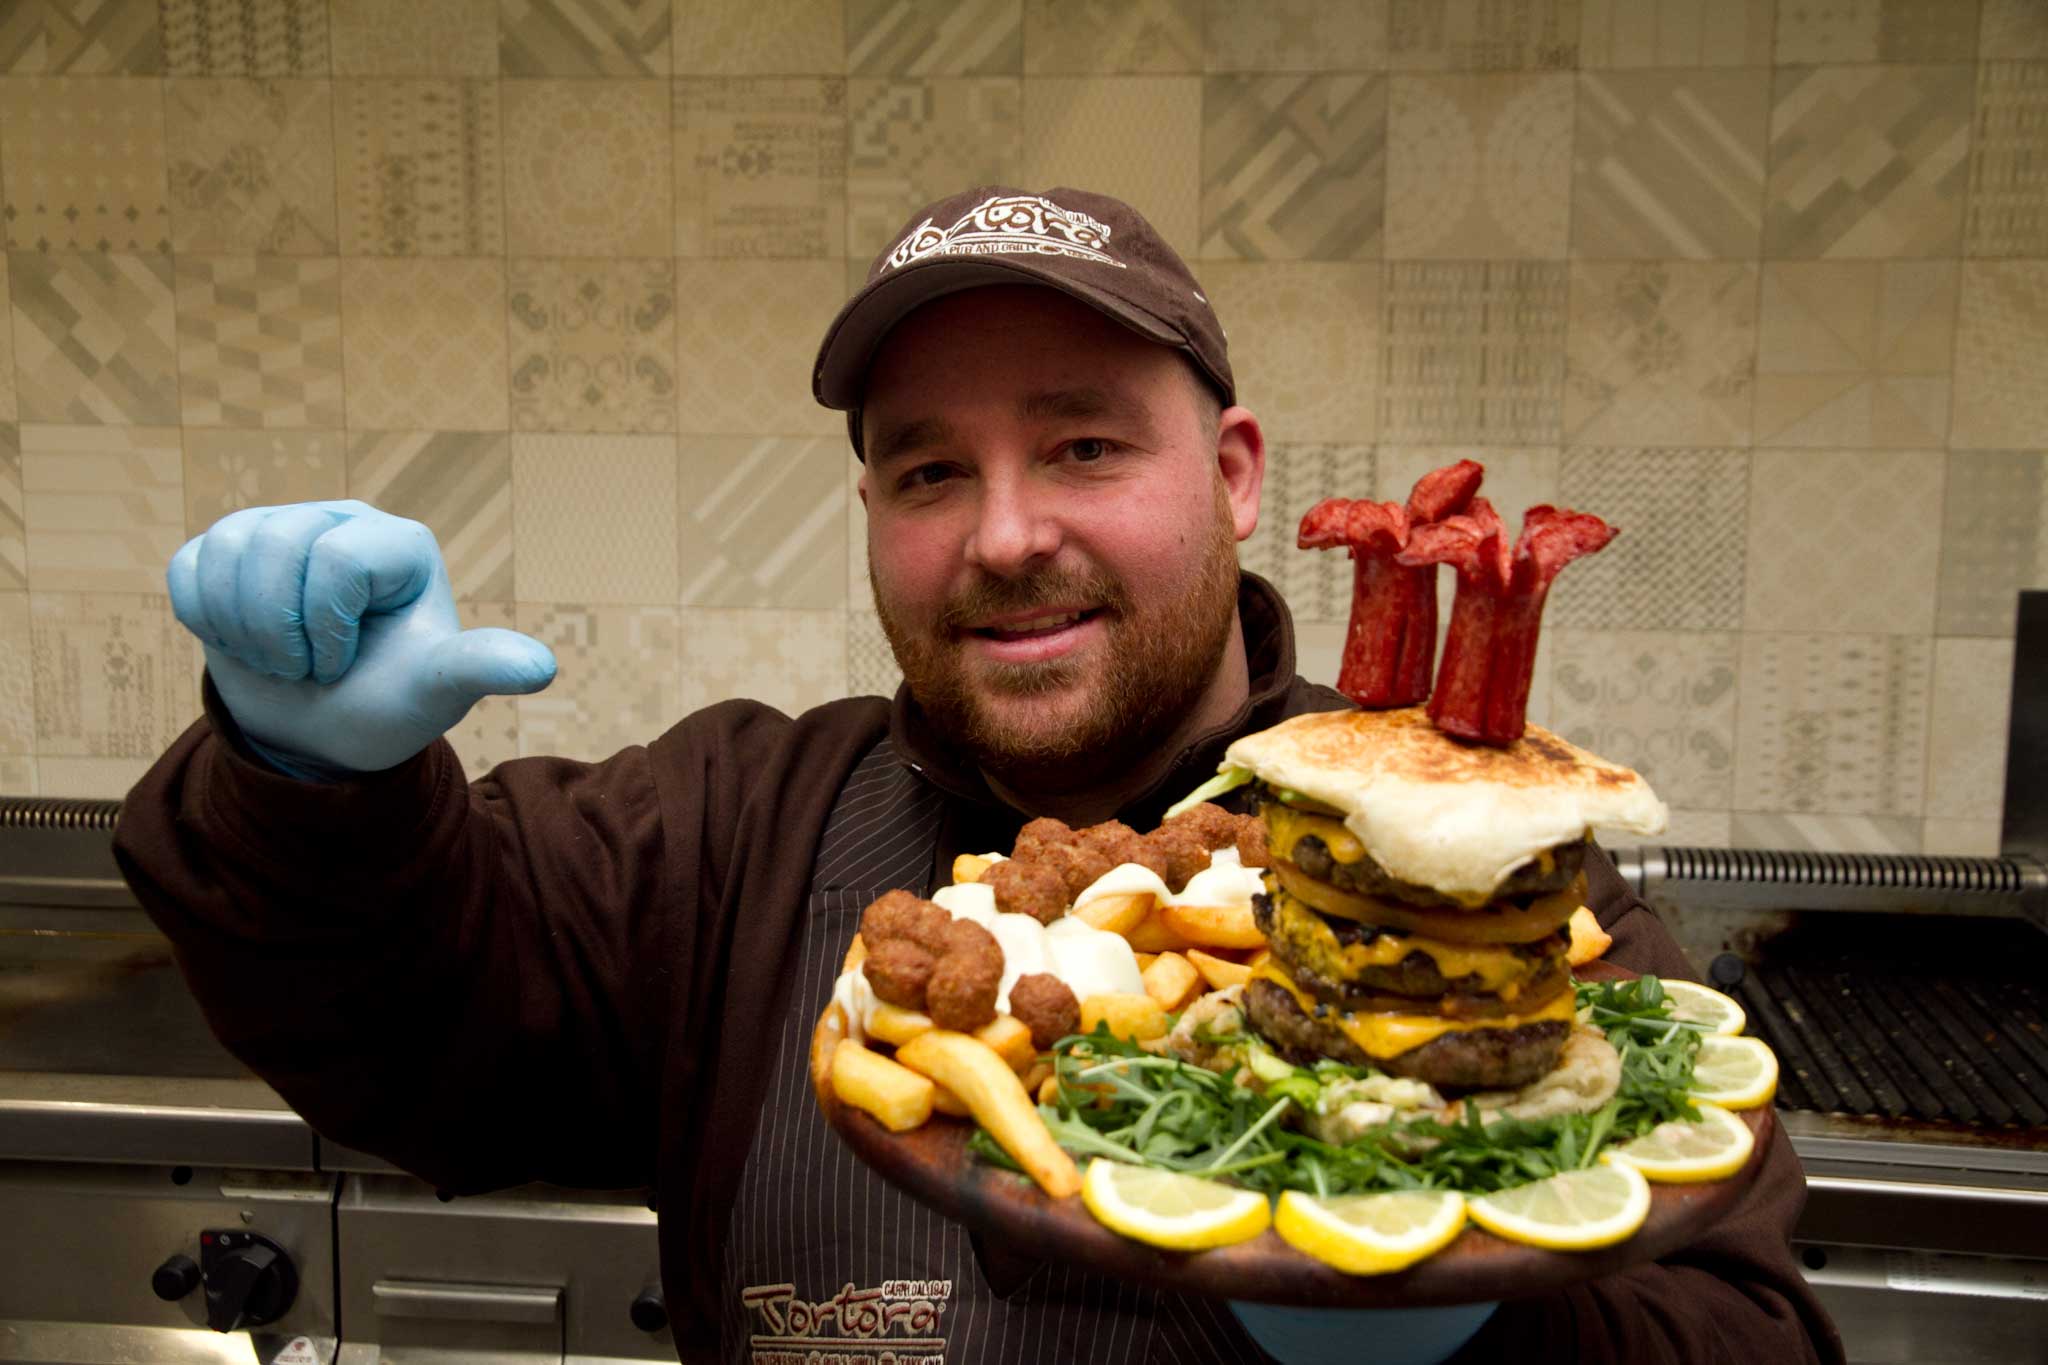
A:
{"x":1727,"y":971}
{"x":250,"y":1281}
{"x":175,"y":1278}
{"x":650,"y":1310}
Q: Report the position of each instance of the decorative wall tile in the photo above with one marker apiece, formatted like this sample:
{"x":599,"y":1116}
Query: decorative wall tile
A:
{"x":1868,"y":161}
{"x":1304,"y":341}
{"x":1474,"y":351}
{"x":1843,"y":540}
{"x":17,"y":775}
{"x":2013,"y":29}
{"x":593,"y":345}
{"x":1661,"y":702}
{"x":17,"y":678}
{"x":1684,"y":829}
{"x":761,"y":37}
{"x":584,"y":37}
{"x":1316,"y":583}
{"x":81,"y":38}
{"x":760,"y":167}
{"x":2008,"y":175}
{"x":1670,"y":164}
{"x":859,"y":591}
{"x":83,"y":163}
{"x":9,"y":397}
{"x":1295,"y":35}
{"x":1994,"y":538}
{"x":1960,"y":838}
{"x":1293,"y":167}
{"x":1319,"y":651}
{"x":1517,"y":477}
{"x":1876,"y":31}
{"x":459,"y":483}
{"x":1828,"y":833}
{"x":1678,"y":562}
{"x":93,"y":337}
{"x":423,"y":344}
{"x":1661,"y":353}
{"x":2001,"y":355}
{"x":226,"y":471}
{"x":587,"y":168}
{"x":235,"y":38}
{"x":259,"y":341}
{"x":1136,"y":137}
{"x":912,"y":142}
{"x":104,"y":779}
{"x":420,"y":165}
{"x":1966,"y":735}
{"x":116,"y":676}
{"x":934,"y":37}
{"x":1479,"y":166}
{"x":871,"y":669}
{"x":1854,"y":353}
{"x":1675,"y":33}
{"x":746,"y":333}
{"x":415,"y":38}
{"x":1833,"y":724}
{"x":13,"y":531}
{"x":762,"y":521}
{"x":104,"y":507}
{"x":489,"y":734}
{"x":1483,"y":35}
{"x":1125,"y":37}
{"x":617,"y":684}
{"x":564,"y":488}
{"x":251,"y":166}
{"x":791,"y":660}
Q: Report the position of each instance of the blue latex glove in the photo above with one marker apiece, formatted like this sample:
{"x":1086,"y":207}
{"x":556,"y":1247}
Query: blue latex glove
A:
{"x":330,"y":632}
{"x":1346,"y":1336}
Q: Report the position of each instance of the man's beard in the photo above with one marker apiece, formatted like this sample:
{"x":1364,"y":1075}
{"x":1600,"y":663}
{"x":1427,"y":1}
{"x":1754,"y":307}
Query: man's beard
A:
{"x":1156,"y":668}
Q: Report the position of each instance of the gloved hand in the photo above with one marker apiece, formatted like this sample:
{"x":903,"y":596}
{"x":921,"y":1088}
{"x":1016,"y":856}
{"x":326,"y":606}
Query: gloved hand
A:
{"x":1350,"y":1336}
{"x":330,"y":632}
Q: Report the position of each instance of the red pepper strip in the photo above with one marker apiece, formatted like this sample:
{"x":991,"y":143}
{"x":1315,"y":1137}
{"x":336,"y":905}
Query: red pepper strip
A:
{"x":1482,"y":689}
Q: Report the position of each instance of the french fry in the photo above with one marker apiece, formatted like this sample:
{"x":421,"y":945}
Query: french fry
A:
{"x":1011,"y":1039}
{"x":856,"y":953}
{"x":896,"y":1026}
{"x":1131,"y":1017}
{"x":971,"y":1069}
{"x":1214,"y":926}
{"x":951,"y":1105}
{"x":1589,"y":940}
{"x":1154,"y":935}
{"x":1258,"y":959}
{"x":1172,"y":981}
{"x":1036,"y":1076}
{"x":898,"y":1097}
{"x":1048,"y":1090}
{"x":1220,"y":973}
{"x":1116,"y":914}
{"x":1145,"y":960}
{"x":968,"y":867}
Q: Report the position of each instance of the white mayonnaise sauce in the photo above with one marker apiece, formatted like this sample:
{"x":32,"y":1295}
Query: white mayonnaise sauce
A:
{"x":1225,"y":881}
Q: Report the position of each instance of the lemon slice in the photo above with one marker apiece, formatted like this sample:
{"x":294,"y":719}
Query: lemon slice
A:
{"x":1735,"y":1073}
{"x":1370,"y":1234}
{"x":1681,"y":1152}
{"x":1575,"y":1211}
{"x":1168,"y":1209}
{"x":1711,"y":1010}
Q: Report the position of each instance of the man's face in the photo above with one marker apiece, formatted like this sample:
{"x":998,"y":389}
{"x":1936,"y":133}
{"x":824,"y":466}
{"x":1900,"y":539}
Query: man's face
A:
{"x":1051,"y":529}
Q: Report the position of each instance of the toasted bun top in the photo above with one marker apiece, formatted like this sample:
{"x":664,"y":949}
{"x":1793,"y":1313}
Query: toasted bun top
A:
{"x":1441,"y":813}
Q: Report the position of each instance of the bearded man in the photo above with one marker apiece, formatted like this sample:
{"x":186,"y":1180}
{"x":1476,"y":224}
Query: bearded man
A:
{"x":572,"y":972}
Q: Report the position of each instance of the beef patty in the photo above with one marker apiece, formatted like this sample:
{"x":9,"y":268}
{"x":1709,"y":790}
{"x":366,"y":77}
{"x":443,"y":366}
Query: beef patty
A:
{"x":1484,"y":1058}
{"x":1367,"y":878}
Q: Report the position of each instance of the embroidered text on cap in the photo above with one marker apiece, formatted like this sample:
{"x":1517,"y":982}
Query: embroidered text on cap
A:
{"x":1010,"y":225}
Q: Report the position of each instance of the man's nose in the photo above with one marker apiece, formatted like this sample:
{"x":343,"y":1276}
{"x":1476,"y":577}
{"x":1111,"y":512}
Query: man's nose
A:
{"x":1016,"y":528}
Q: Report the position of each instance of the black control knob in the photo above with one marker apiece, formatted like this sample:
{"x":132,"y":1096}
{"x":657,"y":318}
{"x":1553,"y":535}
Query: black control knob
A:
{"x":650,"y":1310}
{"x":250,"y":1281}
{"x":1727,"y":971}
{"x":175,"y":1278}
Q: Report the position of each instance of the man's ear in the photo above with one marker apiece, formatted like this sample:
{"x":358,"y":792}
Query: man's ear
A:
{"x":861,"y":486}
{"x":1241,"y":461}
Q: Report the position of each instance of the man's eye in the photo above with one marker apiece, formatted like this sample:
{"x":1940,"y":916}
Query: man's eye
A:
{"x":925,"y":476}
{"x":1090,"y":448}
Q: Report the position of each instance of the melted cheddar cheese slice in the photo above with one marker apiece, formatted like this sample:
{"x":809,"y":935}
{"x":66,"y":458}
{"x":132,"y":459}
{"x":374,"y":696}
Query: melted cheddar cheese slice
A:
{"x":1389,"y":1035}
{"x":1287,"y":826}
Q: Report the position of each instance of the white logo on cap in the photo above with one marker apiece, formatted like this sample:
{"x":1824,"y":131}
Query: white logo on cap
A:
{"x":1018,"y":225}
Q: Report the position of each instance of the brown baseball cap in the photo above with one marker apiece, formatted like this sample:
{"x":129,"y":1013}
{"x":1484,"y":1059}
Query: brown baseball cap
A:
{"x":1097,"y":249}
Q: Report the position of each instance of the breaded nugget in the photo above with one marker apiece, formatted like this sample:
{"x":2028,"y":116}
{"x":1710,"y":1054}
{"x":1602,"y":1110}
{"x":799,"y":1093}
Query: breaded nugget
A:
{"x":1028,"y":888}
{"x":899,"y":972}
{"x":961,"y":994}
{"x":898,"y":914}
{"x":1045,"y":1005}
{"x":1043,"y":830}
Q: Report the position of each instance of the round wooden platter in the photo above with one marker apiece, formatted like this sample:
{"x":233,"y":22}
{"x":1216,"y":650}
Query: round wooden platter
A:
{"x":932,"y":1164}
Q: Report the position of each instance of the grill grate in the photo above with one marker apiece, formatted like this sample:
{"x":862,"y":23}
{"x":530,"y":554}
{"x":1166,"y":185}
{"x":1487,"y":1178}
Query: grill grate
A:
{"x":1934,"y":1021}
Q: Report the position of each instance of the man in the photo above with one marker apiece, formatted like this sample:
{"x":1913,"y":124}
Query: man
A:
{"x":604,"y":974}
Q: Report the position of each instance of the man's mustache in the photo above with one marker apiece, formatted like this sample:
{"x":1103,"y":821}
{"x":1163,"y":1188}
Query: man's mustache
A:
{"x":1004,"y":596}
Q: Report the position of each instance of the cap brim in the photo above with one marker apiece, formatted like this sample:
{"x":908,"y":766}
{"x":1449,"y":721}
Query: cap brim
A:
{"x":850,"y":342}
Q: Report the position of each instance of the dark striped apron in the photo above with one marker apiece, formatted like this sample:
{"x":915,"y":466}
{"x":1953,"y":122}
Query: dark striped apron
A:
{"x":824,"y":1260}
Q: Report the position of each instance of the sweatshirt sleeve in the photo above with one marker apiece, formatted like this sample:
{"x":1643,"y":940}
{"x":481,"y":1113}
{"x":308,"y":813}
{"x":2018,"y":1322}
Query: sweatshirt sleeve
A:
{"x":473,"y":981}
{"x":1735,"y":1297}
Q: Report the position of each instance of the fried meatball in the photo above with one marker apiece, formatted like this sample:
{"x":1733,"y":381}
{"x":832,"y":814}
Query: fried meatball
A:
{"x":1185,"y":854}
{"x":899,"y":972}
{"x":1251,"y":842}
{"x":961,"y":994}
{"x":1028,"y":888}
{"x":1214,"y":826}
{"x":1119,"y":843}
{"x":1044,"y":830}
{"x":1045,"y":1005}
{"x":1078,"y":864}
{"x":898,"y":914}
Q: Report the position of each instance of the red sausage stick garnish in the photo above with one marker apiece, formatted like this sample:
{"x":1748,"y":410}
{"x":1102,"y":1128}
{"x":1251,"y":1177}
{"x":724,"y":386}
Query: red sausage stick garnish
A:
{"x":1482,"y":690}
{"x":1391,"y":641}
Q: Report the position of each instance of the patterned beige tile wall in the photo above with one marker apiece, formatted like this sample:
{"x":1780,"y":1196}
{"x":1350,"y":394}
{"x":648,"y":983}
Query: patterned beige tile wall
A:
{"x":1764,"y":282}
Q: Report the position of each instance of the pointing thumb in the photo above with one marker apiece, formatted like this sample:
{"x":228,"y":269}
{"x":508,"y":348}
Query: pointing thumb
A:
{"x":486,"y":662}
